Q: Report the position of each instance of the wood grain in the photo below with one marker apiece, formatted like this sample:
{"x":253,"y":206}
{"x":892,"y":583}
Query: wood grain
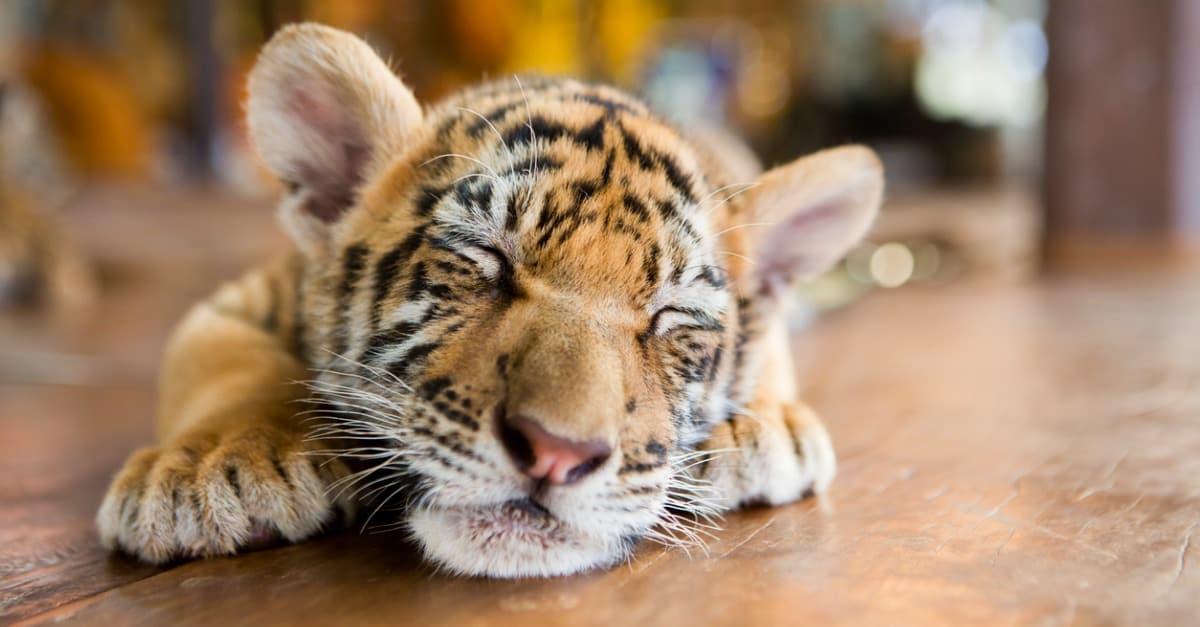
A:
{"x":1015,"y":454}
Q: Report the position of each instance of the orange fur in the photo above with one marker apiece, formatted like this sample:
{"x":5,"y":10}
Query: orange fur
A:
{"x":544,"y":249}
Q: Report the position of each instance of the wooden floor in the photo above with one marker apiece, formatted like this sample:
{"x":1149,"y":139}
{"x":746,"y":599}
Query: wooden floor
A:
{"x":1013,"y":454}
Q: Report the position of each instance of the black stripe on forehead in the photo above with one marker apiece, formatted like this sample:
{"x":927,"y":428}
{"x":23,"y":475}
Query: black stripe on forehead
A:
{"x":536,"y":126}
{"x":539,"y":163}
{"x":606,"y":174}
{"x":428,"y":197}
{"x":650,"y":263}
{"x":637,"y":208}
{"x":474,"y":194}
{"x":611,"y":106}
{"x":650,"y":159}
{"x":516,"y":101}
{"x":671,"y":215}
{"x":562,"y":220}
{"x":471,"y":191}
{"x":492,"y":117}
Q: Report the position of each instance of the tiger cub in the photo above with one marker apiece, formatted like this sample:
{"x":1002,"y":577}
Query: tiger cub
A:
{"x":528,"y":318}
{"x":38,"y":264}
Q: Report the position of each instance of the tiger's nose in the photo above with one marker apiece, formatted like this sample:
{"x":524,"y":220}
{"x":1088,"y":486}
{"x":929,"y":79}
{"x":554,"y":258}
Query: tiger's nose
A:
{"x":543,"y":455}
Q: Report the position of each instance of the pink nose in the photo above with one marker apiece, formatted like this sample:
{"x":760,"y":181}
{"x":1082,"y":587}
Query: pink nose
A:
{"x":543,"y":455}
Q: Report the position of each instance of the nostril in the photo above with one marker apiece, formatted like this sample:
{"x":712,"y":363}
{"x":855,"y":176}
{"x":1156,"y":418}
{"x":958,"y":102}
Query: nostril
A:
{"x":589,"y":465}
{"x":518,"y":446}
{"x":544,"y":455}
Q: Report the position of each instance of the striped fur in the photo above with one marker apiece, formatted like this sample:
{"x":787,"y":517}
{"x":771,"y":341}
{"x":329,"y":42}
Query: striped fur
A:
{"x":533,"y":245}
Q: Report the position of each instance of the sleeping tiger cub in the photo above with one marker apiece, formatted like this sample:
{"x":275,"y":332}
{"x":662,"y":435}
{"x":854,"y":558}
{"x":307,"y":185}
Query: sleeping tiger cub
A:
{"x":528,"y":318}
{"x":39,"y":266}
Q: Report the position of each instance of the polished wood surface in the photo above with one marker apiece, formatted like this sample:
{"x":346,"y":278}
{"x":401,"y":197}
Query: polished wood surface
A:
{"x":1011,"y":453}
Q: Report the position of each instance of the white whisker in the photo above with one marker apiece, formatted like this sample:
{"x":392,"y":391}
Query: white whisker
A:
{"x":451,"y":155}
{"x":529,"y":123}
{"x":743,"y":226}
{"x":511,"y":160}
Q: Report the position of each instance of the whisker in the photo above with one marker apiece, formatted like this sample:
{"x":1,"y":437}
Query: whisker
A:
{"x":742,"y":226}
{"x":380,"y":372}
{"x":473,"y":175}
{"x":451,"y":155}
{"x":511,"y":160}
{"x":723,"y":188}
{"x":739,"y":256}
{"x":730,"y":197}
{"x":529,"y":123}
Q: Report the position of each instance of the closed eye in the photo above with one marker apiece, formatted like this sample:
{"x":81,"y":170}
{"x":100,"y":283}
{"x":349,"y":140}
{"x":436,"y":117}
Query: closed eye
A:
{"x":670,"y":319}
{"x":489,"y":260}
{"x":496,"y":269}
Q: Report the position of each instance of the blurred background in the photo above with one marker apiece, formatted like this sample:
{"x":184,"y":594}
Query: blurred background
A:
{"x":1016,"y":327}
{"x":1010,"y":129}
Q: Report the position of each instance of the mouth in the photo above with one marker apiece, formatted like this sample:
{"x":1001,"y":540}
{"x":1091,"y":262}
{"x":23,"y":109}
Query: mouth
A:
{"x":524,"y":517}
{"x":528,"y":512}
{"x":516,"y":538}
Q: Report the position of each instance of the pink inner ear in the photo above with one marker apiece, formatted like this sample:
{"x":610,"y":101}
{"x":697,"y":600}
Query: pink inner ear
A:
{"x":801,"y":245}
{"x":332,"y":168}
{"x":316,"y":108}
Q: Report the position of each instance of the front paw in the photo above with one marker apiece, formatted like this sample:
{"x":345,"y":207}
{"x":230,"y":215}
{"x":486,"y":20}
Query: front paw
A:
{"x":214,"y":494}
{"x":769,"y":459}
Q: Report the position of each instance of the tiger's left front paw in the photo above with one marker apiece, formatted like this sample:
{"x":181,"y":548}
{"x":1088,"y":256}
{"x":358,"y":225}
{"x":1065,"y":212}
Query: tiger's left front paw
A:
{"x":769,"y":459}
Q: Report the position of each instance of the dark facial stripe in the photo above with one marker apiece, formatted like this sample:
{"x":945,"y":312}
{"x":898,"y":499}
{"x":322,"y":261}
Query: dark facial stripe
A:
{"x":650,"y":159}
{"x":606,"y":174}
{"x":592,"y":137}
{"x":408,"y":363}
{"x":650,"y":264}
{"x":353,"y":262}
{"x":495,"y":116}
{"x":388,"y":269}
{"x":637,"y":208}
{"x":718,"y":355}
{"x":541,"y":164}
{"x":611,"y":106}
{"x":447,"y":441}
{"x":523,"y":133}
{"x":428,"y":198}
{"x":510,"y":219}
{"x":418,"y":282}
{"x":582,"y":189}
{"x":394,"y":336}
{"x":640,"y":467}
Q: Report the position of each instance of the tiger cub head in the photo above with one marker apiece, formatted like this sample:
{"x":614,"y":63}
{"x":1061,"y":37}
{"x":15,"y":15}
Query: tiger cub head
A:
{"x":528,"y":303}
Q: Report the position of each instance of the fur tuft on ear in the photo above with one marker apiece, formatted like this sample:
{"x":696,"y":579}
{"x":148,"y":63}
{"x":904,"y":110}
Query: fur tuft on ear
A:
{"x":324,"y":112}
{"x":811,"y":212}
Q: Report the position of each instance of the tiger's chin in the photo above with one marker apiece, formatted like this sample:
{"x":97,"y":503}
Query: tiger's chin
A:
{"x":510,"y":540}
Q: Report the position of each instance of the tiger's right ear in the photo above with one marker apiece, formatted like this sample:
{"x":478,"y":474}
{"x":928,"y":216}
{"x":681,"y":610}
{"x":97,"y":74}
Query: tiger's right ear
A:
{"x":325,"y":113}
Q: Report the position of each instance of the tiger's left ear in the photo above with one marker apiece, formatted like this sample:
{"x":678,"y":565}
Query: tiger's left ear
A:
{"x":808,"y":215}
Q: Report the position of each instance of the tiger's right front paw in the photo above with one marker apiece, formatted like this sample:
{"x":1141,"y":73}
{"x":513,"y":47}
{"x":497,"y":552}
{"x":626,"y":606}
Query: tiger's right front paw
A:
{"x":216,"y":494}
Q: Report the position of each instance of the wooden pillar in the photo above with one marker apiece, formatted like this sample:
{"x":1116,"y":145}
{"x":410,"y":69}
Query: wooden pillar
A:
{"x":1123,"y":118}
{"x":1186,"y":154}
{"x":205,"y":84}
